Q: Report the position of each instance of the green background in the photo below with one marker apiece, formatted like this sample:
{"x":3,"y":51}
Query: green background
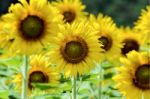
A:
{"x":123,"y":12}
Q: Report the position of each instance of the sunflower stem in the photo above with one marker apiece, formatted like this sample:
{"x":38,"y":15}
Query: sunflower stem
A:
{"x":74,"y":90}
{"x":25,"y":79}
{"x":100,"y":83}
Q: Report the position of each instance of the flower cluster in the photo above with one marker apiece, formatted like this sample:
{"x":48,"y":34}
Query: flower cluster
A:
{"x":62,"y":39}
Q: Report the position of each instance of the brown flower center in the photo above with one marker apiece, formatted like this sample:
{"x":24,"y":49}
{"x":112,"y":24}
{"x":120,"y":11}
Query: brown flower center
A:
{"x":37,"y":77}
{"x":28,"y":1}
{"x":69,"y":16}
{"x":75,"y":51}
{"x":32,"y":28}
{"x":106,"y":42}
{"x":142,"y":77}
{"x":129,"y":45}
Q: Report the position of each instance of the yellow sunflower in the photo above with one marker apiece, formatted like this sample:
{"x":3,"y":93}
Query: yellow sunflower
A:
{"x":133,"y":79}
{"x":5,"y":41}
{"x":31,"y":25}
{"x":143,"y":24}
{"x":70,"y":9}
{"x":131,"y":40}
{"x":108,"y":36}
{"x":39,"y":71}
{"x":77,"y":49}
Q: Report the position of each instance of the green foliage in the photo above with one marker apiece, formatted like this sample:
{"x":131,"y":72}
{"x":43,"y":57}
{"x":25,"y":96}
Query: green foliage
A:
{"x":123,"y":12}
{"x":4,"y":94}
{"x":87,"y":85}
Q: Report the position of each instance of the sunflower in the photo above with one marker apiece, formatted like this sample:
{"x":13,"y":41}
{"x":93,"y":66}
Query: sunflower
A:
{"x":70,"y":9}
{"x":77,"y":49}
{"x":142,"y":25}
{"x":31,"y":25}
{"x":108,"y":36}
{"x":5,"y":41}
{"x":39,"y":71}
{"x":133,"y":79}
{"x":131,"y":40}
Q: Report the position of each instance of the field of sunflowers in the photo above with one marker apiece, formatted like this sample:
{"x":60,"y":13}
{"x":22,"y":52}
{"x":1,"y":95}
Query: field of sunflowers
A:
{"x":74,"y":49}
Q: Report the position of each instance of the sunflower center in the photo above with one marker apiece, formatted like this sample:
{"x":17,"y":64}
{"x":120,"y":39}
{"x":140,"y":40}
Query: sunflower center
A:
{"x":32,"y":27}
{"x":69,"y":16}
{"x":129,"y":46}
{"x":75,"y":51}
{"x":142,"y":77}
{"x":37,"y":77}
{"x":106,"y":42}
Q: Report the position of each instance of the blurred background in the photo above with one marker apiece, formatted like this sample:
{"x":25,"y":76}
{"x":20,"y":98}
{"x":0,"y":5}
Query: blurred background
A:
{"x":123,"y":12}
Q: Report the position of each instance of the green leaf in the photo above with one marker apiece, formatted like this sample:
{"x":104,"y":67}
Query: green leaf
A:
{"x":44,"y":86}
{"x":4,"y":94}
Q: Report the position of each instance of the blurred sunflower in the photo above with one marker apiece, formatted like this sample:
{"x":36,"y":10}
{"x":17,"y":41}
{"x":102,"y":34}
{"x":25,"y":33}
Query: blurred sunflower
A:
{"x":142,"y":25}
{"x":33,"y":25}
{"x":133,"y":79}
{"x":5,"y":41}
{"x":131,"y":40}
{"x":77,"y":49}
{"x":39,"y":72}
{"x":108,"y":36}
{"x":70,"y":9}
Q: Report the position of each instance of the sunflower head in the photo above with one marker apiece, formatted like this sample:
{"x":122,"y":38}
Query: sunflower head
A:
{"x":39,"y":71}
{"x":74,"y":50}
{"x":5,"y":41}
{"x":108,"y":36}
{"x":70,"y":9}
{"x":37,"y":77}
{"x":142,"y":25}
{"x":106,"y":41}
{"x":33,"y":24}
{"x":77,"y":45}
{"x":129,"y":45}
{"x":32,"y":28}
{"x":134,"y":76}
{"x":131,"y":40}
{"x":142,"y":76}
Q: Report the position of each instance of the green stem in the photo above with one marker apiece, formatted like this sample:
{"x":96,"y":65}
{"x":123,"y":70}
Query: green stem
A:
{"x":25,"y":78}
{"x":100,"y":83}
{"x":74,"y":90}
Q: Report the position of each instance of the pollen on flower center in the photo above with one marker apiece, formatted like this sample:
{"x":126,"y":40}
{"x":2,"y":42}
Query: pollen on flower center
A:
{"x":32,"y":27}
{"x":37,"y":77}
{"x":129,"y":45}
{"x":69,"y":16}
{"x":75,"y":51}
{"x":142,"y":77}
{"x":106,"y":42}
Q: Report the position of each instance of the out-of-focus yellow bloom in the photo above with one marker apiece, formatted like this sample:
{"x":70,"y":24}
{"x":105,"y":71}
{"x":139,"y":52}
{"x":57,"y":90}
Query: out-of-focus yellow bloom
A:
{"x":72,"y":10}
{"x":108,"y":36}
{"x":131,"y":40}
{"x":142,"y":25}
{"x":133,"y":78}
{"x":39,"y":71}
